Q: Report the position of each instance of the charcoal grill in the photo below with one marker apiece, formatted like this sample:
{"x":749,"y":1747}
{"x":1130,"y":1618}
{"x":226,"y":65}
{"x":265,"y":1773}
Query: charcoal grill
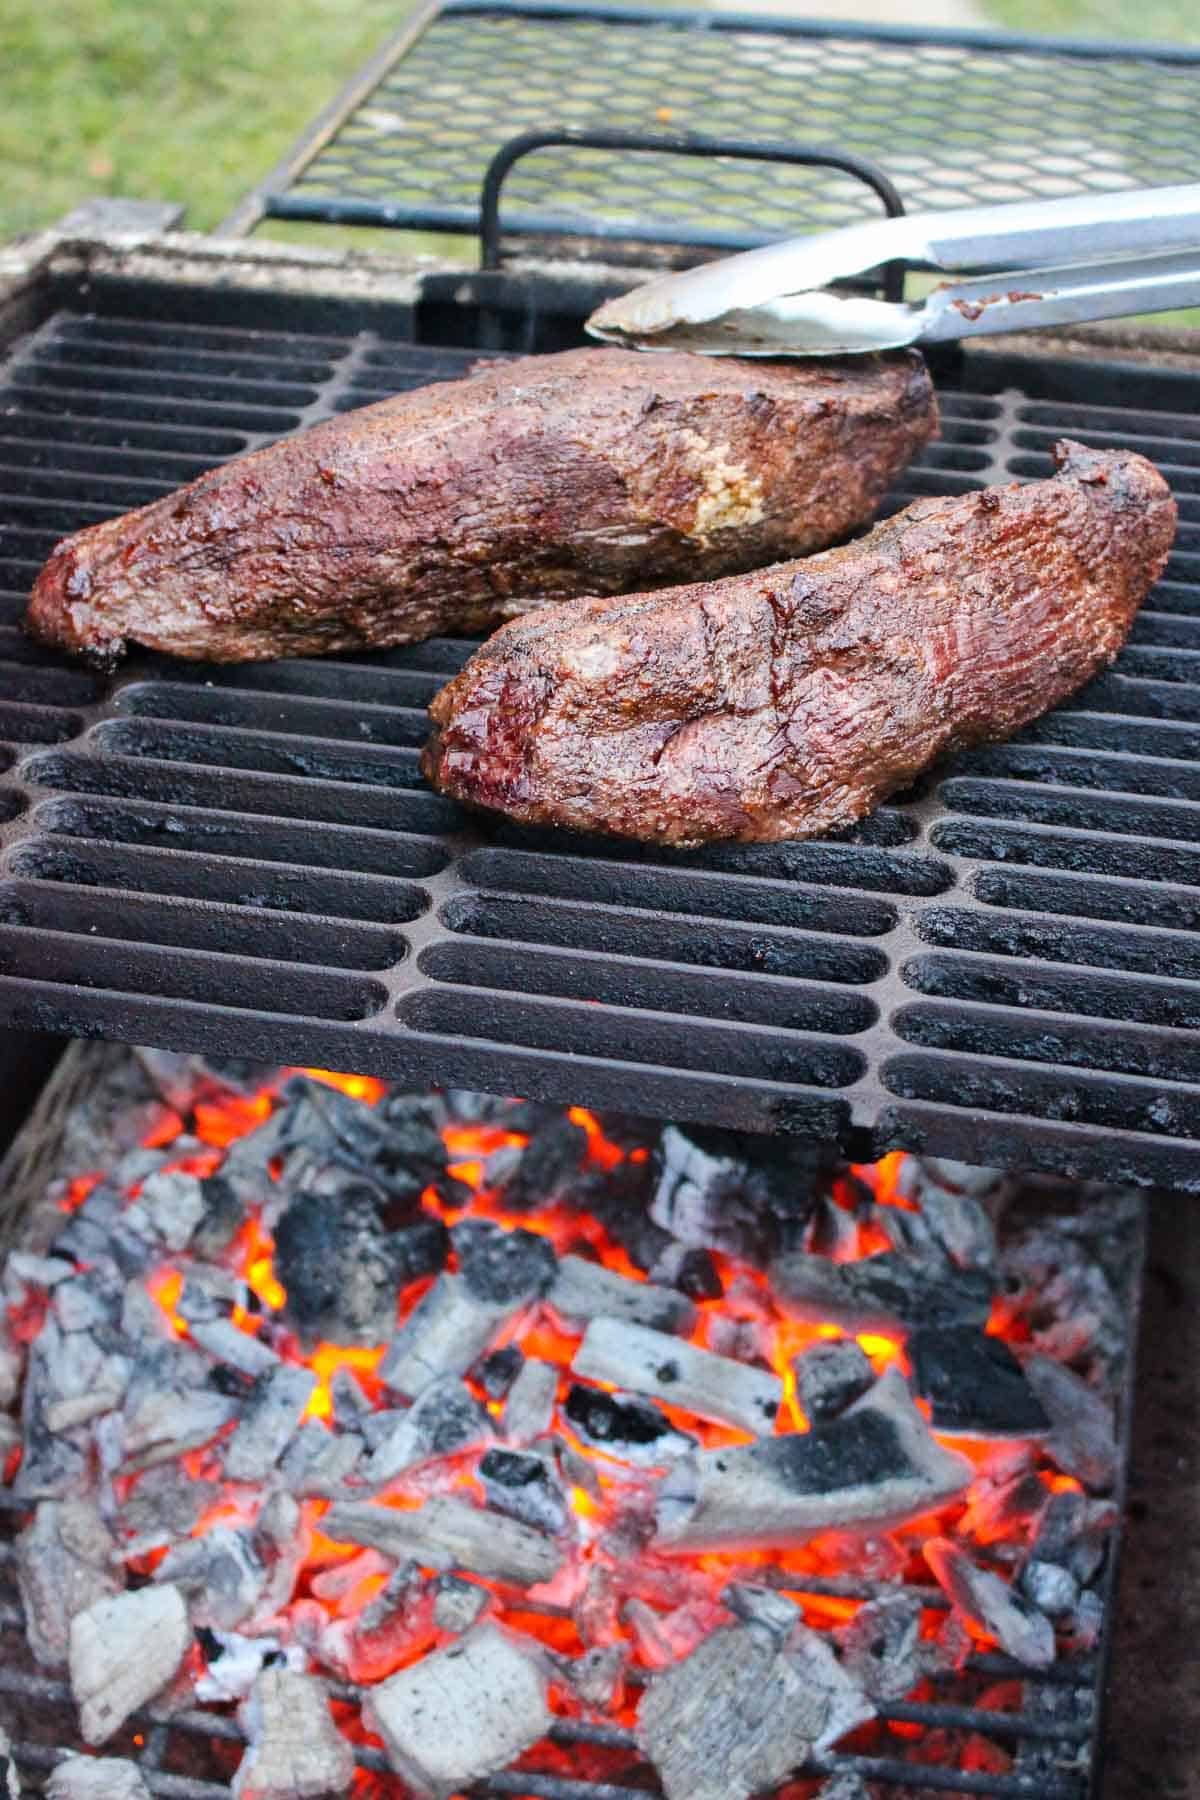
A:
{"x":1003,"y":965}
{"x":1054,"y":1738}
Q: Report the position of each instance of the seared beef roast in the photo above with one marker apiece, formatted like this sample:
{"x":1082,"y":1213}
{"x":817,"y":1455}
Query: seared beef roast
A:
{"x":785,"y":703}
{"x":456,"y":506}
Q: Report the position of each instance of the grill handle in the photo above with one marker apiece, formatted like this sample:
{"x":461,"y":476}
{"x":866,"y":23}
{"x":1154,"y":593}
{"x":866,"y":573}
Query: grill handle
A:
{"x":580,"y":137}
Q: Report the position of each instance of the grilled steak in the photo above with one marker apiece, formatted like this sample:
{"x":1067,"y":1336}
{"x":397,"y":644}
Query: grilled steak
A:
{"x":788,"y":702}
{"x":451,"y":508}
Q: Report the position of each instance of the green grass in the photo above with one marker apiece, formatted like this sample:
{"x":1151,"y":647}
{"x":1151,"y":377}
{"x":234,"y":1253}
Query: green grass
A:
{"x":1166,"y":21}
{"x":186,"y":100}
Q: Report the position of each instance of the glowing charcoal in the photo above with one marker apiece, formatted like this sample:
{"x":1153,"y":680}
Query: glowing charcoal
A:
{"x":583,"y":1291}
{"x":444,"y":1420}
{"x":890,"y":1293}
{"x":624,"y":1426}
{"x":463,"y":1713}
{"x":271,"y":1416}
{"x":875,"y":1466}
{"x":987,"y":1602}
{"x":974,"y":1384}
{"x":96,"y":1778}
{"x":649,"y":1362}
{"x":64,"y":1561}
{"x":745,"y":1709}
{"x":296,"y":1751}
{"x":529,"y":1409}
{"x":830,"y":1376}
{"x":449,"y":1534}
{"x":123,"y":1651}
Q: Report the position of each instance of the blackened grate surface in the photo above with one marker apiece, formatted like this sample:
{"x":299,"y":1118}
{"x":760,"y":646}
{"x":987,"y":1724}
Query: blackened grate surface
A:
{"x":1004,"y":967}
{"x":952,"y":118}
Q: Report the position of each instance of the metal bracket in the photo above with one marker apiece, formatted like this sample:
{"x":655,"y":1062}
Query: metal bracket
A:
{"x":804,"y":155}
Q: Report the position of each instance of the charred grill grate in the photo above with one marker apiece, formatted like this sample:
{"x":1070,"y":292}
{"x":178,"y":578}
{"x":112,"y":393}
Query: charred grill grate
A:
{"x":954,"y":117}
{"x":1004,"y":966}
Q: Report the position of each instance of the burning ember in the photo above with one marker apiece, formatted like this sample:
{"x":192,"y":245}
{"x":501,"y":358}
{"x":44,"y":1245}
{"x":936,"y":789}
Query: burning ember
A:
{"x":435,"y":1426}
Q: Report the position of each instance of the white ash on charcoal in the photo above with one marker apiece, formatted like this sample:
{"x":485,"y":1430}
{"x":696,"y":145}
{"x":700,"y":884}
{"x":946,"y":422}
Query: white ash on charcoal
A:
{"x":844,"y":1786}
{"x":449,"y":1534}
{"x":693,"y":1272}
{"x":875,"y":1465}
{"x":124,"y":1651}
{"x":445,"y":1420}
{"x":169,"y":1207}
{"x":295,"y":1752}
{"x":233,"y":1663}
{"x":582,"y":1291}
{"x":1069,"y":1280}
{"x":231,"y":1347}
{"x":458,"y":1603}
{"x":1073,"y":1532}
{"x":168,"y":1416}
{"x":163,"y":1504}
{"x":881,"y":1646}
{"x":988,"y":1602}
{"x":499,"y":1274}
{"x":1006,"y":1501}
{"x":974,"y":1384}
{"x":625,"y":1426}
{"x":661,"y":1639}
{"x":169,"y":1408}
{"x":321,"y":1464}
{"x":10,"y":1782}
{"x":831,"y":1376}
{"x":1050,"y":1588}
{"x":890,"y":1293}
{"x":221,"y":1576}
{"x":463,"y":1713}
{"x":597,"y":1678}
{"x":727,"y":1190}
{"x":342,"y":1271}
{"x":529,"y":1409}
{"x":747,"y":1707}
{"x":70,"y":1378}
{"x":268,"y":1422}
{"x":96,"y":1778}
{"x":64,"y":1563}
{"x":1083,"y":1438}
{"x":524,"y":1485}
{"x":663,"y":1368}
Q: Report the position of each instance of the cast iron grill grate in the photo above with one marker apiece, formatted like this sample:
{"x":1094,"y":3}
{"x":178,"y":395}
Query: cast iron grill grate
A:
{"x":953,"y":117}
{"x":1004,"y":965}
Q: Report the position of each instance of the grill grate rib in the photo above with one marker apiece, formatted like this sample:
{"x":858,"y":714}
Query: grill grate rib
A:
{"x":1003,"y":964}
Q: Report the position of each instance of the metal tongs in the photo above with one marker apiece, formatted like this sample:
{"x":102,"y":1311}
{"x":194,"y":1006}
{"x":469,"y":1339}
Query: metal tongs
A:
{"x":1046,"y":262}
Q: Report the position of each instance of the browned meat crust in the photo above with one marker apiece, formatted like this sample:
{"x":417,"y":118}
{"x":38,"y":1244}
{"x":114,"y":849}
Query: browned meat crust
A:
{"x":456,"y":506}
{"x":785,"y":703}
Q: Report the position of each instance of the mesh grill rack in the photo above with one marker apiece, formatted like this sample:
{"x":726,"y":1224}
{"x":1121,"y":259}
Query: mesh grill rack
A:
{"x":953,"y":117}
{"x":1004,"y":965}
